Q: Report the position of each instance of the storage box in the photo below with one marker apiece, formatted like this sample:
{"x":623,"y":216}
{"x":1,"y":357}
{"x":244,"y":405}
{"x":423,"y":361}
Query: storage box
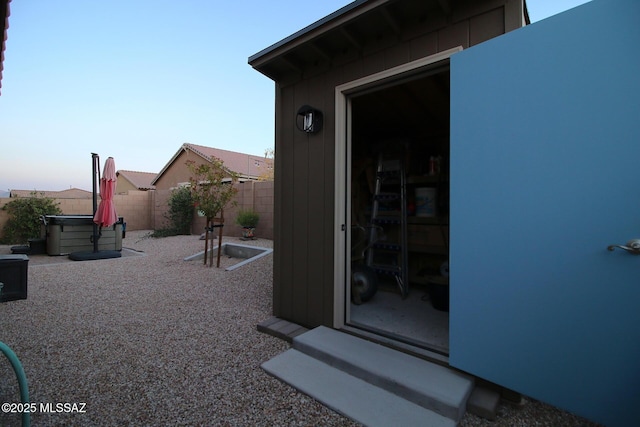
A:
{"x":426,"y":201}
{"x":13,"y":277}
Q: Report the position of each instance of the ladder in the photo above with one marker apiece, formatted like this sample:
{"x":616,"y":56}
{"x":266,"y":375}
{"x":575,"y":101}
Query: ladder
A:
{"x":387,"y":252}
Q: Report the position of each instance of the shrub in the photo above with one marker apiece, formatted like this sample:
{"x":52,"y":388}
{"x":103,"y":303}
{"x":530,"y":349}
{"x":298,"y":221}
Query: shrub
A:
{"x":24,"y":217}
{"x":180,"y":214}
{"x":181,"y":210}
{"x":247,"y":218}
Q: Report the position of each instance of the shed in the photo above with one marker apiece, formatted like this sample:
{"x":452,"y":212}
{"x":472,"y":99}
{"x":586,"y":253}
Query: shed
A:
{"x":361,"y":40}
{"x":467,"y":154}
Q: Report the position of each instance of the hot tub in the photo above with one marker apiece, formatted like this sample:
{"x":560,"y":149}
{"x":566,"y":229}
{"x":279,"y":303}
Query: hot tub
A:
{"x":73,"y":233}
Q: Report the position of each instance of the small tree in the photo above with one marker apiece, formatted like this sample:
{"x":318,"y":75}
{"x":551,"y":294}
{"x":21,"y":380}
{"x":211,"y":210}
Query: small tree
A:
{"x":24,"y":217}
{"x":211,"y":190}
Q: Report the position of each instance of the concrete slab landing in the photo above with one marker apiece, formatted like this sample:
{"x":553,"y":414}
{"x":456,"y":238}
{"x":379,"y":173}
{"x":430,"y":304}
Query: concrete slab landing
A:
{"x":370,"y":383}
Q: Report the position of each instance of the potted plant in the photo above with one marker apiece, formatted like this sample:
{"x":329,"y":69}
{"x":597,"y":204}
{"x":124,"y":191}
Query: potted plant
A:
{"x":247,"y":219}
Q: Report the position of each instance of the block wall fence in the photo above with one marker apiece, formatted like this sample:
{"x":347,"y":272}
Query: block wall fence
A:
{"x":146,"y":210}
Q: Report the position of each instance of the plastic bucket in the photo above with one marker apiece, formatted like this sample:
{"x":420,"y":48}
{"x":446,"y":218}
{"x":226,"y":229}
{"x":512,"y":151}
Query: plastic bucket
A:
{"x":438,"y":288}
{"x":425,"y":201}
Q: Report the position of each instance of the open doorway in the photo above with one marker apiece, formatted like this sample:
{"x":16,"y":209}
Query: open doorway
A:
{"x":398,"y":201}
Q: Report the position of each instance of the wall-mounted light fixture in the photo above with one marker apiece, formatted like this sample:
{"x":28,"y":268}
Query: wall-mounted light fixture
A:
{"x":309,"y":119}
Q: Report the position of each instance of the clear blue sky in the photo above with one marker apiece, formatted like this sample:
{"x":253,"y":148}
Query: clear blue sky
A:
{"x":134,"y":79}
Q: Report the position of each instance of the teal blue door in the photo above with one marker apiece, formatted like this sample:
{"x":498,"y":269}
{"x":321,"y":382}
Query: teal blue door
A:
{"x":545,"y":175}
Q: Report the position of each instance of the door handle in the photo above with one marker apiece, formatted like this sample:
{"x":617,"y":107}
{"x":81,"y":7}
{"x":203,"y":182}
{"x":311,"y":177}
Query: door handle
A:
{"x":632,"y":246}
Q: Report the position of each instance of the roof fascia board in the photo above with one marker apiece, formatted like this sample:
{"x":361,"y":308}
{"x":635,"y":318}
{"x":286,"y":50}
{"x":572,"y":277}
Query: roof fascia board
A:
{"x":334,"y":20}
{"x":4,"y":28}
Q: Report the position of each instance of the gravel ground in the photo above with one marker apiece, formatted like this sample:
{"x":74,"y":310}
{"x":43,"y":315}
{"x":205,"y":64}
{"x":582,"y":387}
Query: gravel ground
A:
{"x":150,"y":339}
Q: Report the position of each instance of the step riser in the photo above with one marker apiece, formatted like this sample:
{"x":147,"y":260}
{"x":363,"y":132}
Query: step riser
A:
{"x":342,"y":355}
{"x":348,"y":395}
{"x":482,"y":402}
{"x":379,"y":380}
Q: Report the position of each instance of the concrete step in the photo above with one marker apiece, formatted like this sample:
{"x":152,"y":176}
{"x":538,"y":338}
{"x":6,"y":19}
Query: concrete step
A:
{"x":432,"y":387}
{"x":427,"y":384}
{"x":349,"y":395}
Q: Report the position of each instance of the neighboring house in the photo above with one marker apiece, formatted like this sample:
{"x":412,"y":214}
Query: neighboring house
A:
{"x":133,"y":180}
{"x":176,"y":173}
{"x":535,"y":130}
{"x":72,"y":193}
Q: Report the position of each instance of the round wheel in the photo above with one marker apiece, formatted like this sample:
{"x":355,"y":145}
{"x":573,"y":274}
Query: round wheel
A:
{"x":365,"y":280}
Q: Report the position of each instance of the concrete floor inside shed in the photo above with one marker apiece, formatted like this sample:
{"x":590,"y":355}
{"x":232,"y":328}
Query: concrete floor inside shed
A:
{"x":413,"y":320}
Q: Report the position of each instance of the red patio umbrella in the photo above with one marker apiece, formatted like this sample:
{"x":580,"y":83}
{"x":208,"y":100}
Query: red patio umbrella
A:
{"x":106,"y":215}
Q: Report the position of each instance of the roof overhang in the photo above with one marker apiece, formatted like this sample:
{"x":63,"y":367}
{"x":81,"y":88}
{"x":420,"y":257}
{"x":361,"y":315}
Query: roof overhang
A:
{"x":350,"y":30}
{"x":335,"y":18}
{"x":4,"y":26}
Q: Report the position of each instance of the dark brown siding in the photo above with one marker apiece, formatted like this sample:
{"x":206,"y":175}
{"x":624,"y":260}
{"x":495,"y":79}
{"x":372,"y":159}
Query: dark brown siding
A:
{"x":304,"y":209}
{"x":304,"y":192}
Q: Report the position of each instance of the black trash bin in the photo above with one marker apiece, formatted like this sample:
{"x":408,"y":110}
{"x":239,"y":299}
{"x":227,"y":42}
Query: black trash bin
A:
{"x":37,"y":246}
{"x":13,"y":277}
{"x":438,"y":288}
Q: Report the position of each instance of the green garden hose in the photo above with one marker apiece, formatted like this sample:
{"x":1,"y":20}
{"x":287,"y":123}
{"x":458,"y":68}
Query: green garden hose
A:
{"x":22,"y":380}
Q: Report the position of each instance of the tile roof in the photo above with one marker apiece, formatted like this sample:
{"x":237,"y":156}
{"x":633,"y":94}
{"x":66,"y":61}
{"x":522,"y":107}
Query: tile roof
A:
{"x":4,"y":26}
{"x":247,"y":166}
{"x":244,"y":164}
{"x":71,"y":193}
{"x":140,"y":180}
